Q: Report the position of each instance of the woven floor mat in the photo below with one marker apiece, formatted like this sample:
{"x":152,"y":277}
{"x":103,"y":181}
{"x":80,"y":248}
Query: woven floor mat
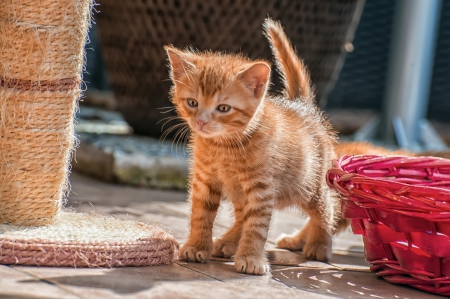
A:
{"x":85,"y":240}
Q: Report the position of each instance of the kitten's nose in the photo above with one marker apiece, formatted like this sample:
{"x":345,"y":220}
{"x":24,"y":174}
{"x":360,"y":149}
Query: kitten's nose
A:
{"x":201,"y":122}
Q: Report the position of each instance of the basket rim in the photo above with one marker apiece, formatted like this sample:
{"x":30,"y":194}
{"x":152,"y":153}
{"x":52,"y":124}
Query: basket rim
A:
{"x":405,"y":160}
{"x":406,"y":186}
{"x":421,"y":197}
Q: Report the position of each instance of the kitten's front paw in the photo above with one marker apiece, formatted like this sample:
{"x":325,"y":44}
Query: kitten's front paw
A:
{"x":224,"y":249}
{"x":190,"y":254}
{"x":252,"y":265}
{"x":317,"y":251}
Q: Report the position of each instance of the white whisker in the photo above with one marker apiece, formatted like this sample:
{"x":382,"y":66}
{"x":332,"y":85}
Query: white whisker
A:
{"x":169,"y":130}
{"x":177,"y":134}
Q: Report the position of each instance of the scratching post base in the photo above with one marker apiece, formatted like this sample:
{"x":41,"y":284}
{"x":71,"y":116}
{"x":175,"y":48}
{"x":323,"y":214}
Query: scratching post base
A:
{"x":83,"y":240}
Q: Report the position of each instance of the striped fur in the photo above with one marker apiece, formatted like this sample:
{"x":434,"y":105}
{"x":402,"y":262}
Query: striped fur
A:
{"x":266,"y":153}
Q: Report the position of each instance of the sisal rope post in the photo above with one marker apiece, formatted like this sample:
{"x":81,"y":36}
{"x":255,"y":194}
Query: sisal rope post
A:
{"x":41,"y":61}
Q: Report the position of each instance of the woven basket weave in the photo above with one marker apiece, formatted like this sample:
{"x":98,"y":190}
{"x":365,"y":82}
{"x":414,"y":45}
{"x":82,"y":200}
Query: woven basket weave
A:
{"x":42,"y":56}
{"x":401,"y":206}
{"x":133,"y":34}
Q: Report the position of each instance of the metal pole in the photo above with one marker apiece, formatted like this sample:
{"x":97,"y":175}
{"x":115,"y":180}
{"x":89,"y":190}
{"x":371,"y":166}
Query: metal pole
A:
{"x":409,"y":76}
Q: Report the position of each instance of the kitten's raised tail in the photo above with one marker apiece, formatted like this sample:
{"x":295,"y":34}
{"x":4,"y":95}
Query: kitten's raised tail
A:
{"x":295,"y":76}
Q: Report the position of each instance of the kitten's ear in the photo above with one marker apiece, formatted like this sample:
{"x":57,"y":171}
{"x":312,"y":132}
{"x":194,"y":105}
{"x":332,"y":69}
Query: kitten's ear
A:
{"x":180,"y":66}
{"x":256,"y":78}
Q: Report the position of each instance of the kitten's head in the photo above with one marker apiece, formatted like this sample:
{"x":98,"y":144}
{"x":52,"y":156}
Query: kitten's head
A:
{"x":217,"y":94}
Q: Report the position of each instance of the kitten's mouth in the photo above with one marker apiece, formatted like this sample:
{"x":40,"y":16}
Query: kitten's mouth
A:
{"x":204,"y":133}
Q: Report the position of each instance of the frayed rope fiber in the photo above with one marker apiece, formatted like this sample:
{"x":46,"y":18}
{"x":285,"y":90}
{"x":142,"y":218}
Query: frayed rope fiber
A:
{"x":42,"y":57}
{"x":81,"y":240}
{"x":41,"y":61}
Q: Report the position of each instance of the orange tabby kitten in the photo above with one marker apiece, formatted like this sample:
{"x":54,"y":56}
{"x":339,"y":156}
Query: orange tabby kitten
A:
{"x":259,"y":151}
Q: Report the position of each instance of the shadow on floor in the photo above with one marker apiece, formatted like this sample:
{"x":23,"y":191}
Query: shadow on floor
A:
{"x":125,"y":280}
{"x":19,"y":297}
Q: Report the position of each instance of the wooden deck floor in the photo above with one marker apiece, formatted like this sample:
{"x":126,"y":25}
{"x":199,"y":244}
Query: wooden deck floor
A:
{"x":345,"y":276}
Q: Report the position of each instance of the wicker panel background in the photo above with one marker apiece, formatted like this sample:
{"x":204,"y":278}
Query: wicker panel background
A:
{"x":133,"y":33}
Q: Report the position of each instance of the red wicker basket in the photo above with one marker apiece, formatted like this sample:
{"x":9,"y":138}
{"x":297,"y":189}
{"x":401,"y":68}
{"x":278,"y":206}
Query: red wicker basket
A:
{"x":401,"y":206}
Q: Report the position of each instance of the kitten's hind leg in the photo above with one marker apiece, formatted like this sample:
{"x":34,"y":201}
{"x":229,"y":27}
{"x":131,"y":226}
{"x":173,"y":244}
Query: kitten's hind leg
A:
{"x":313,"y":239}
{"x":318,"y":245}
{"x":227,"y":244}
{"x":294,"y":242}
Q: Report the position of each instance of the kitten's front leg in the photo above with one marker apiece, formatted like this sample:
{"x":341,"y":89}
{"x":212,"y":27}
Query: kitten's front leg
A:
{"x":226,"y":245}
{"x":251,"y":257}
{"x":205,"y":200}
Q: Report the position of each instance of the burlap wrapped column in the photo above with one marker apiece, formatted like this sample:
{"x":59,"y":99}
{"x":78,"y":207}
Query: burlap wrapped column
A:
{"x":41,"y":61}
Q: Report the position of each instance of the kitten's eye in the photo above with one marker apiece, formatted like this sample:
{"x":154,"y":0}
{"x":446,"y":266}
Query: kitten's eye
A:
{"x":224,"y":108}
{"x":191,"y":102}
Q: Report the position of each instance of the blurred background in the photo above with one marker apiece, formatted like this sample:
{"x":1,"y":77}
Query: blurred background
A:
{"x":362,"y":55}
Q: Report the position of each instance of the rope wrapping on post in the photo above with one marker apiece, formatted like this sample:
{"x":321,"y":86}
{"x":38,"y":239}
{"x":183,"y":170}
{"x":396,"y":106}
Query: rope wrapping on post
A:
{"x":41,"y":61}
